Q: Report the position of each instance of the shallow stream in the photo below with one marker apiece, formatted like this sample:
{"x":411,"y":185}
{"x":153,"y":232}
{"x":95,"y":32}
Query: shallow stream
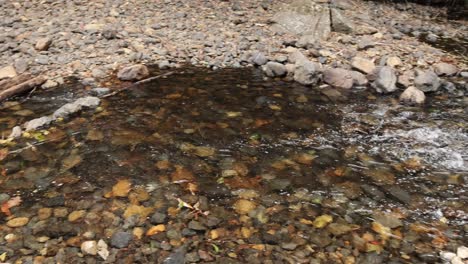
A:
{"x":271,"y":161}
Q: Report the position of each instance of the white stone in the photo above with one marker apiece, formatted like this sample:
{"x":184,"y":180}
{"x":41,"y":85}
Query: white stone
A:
{"x":15,"y":132}
{"x":102,"y":249}
{"x":447,"y":256}
{"x":89,"y":247}
{"x":462,"y":252}
{"x":457,"y":260}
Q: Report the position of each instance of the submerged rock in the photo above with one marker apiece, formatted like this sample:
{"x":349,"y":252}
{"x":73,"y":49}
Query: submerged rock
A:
{"x":37,"y":123}
{"x":413,"y":95}
{"x":15,"y":132}
{"x":89,"y":247}
{"x":72,"y":108}
{"x":121,"y":239}
{"x":133,"y":73}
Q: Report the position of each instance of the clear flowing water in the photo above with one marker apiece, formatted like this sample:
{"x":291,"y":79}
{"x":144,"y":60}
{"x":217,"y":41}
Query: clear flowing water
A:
{"x":295,"y":152}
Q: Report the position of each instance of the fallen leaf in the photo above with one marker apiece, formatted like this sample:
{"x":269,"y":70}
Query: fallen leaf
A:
{"x":122,"y":188}
{"x":141,"y":211}
{"x":192,"y":187}
{"x":182,"y":174}
{"x":383,"y":231}
{"x":373,"y":247}
{"x":3,"y":153}
{"x":322,"y":221}
{"x":15,"y":201}
{"x":71,"y":161}
{"x":155,"y":230}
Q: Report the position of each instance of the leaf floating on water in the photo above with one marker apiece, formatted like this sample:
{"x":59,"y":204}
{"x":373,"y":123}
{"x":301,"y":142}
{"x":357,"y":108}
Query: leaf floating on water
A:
{"x":322,"y":221}
{"x":71,"y":161}
{"x":95,"y":135}
{"x":15,"y":201}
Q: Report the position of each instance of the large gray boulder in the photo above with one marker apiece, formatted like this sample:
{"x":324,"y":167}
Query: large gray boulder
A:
{"x":339,"y":23}
{"x":274,"y":69}
{"x":445,"y":69}
{"x":340,"y":78}
{"x":385,"y":80}
{"x":306,"y":72}
{"x":304,"y":17}
{"x":133,"y":73}
{"x":426,"y":81}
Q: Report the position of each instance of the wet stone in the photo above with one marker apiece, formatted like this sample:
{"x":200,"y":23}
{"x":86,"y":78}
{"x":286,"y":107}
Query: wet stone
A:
{"x":158,"y":218}
{"x":387,"y":220}
{"x":195,"y":225}
{"x":121,"y":239}
{"x":289,"y":246}
{"x":399,"y":194}
{"x":18,"y":222}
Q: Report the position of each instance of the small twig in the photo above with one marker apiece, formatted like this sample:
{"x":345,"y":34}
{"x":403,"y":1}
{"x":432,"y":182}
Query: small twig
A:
{"x":139,"y":82}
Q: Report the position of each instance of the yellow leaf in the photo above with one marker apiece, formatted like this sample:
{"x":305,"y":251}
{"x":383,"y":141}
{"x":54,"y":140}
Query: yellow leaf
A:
{"x":374,"y":247}
{"x":246,"y":232}
{"x":155,"y":230}
{"x":137,"y":210}
{"x":193,"y":188}
{"x":122,"y":188}
{"x":322,"y":221}
{"x":260,"y":247}
{"x":3,"y":256}
{"x":306,"y":221}
{"x":3,"y":153}
{"x":383,"y":231}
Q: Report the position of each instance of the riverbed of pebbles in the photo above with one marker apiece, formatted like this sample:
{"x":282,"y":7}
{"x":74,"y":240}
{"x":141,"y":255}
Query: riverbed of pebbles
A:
{"x":93,"y":39}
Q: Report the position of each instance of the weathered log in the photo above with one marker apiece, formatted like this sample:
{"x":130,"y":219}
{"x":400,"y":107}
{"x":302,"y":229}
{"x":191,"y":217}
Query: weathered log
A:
{"x":7,"y":83}
{"x":21,"y":88}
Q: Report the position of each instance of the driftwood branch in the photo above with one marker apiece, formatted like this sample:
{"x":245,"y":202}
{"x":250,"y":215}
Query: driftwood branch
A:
{"x":6,"y":83}
{"x":21,"y":87}
{"x":139,"y":82}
